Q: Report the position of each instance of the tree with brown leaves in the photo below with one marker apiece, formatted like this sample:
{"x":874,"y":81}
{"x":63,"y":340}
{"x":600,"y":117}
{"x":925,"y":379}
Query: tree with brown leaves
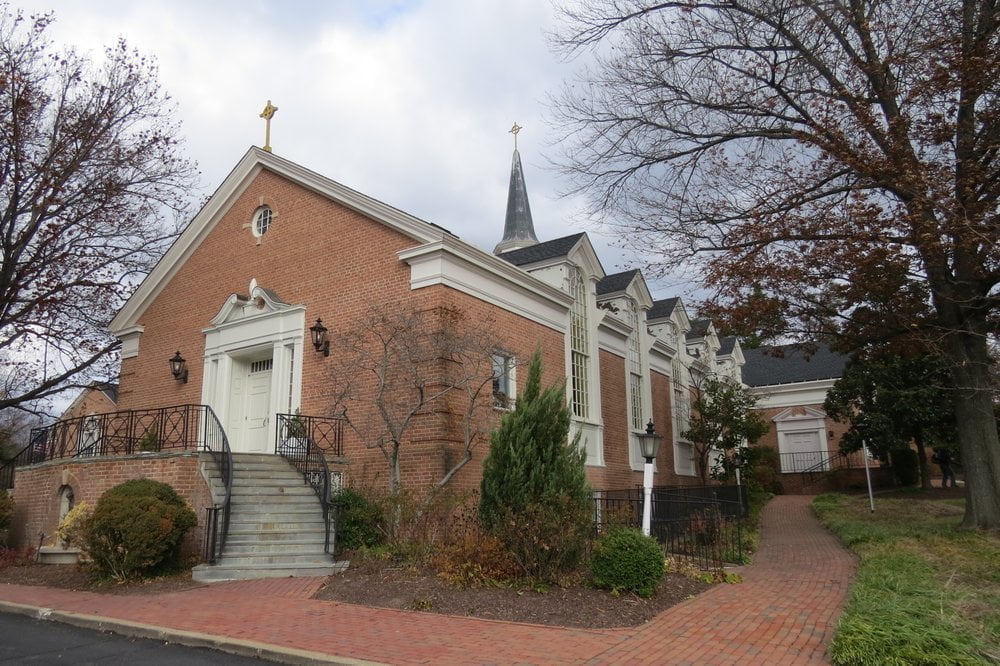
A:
{"x":837,"y":161}
{"x":90,"y":173}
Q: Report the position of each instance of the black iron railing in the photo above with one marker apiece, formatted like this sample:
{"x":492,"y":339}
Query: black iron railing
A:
{"x":803,"y":460}
{"x":217,"y":518}
{"x":26,"y":456}
{"x":305,"y":441}
{"x":176,"y":428}
{"x":704,"y":525}
{"x":838,"y":461}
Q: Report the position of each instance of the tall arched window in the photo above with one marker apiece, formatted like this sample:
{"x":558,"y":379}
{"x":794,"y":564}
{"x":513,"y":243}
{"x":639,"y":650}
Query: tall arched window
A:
{"x":579,"y":344}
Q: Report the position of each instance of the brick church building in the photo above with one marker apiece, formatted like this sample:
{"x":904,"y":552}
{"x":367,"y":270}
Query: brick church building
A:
{"x":281,"y":257}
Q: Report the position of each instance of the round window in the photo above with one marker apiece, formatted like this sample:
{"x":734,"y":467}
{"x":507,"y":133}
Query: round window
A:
{"x":262,"y":220}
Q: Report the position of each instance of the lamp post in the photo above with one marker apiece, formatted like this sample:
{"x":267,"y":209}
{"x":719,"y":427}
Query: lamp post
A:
{"x":649,"y":444}
{"x":862,"y":427}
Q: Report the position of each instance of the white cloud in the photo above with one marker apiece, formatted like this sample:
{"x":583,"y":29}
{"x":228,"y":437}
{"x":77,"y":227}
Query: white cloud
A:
{"x":409,"y":102}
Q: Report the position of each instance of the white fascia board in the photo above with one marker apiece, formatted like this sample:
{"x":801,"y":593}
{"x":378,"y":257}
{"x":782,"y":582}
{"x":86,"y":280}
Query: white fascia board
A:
{"x":791,"y":395}
{"x":583,"y":255}
{"x":612,"y":335}
{"x":462,"y":267}
{"x":253,"y":162}
{"x":661,"y":356}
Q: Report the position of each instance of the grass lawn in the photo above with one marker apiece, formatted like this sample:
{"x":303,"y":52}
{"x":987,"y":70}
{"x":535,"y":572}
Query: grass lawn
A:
{"x":927,"y":592}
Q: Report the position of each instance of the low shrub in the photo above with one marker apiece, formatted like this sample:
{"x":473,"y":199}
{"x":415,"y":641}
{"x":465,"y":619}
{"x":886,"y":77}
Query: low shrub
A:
{"x":626,"y":560}
{"x":360,"y":521}
{"x":475,"y":559}
{"x":16,"y":557}
{"x":136,"y":530}
{"x":547,"y":539}
{"x":73,"y":528}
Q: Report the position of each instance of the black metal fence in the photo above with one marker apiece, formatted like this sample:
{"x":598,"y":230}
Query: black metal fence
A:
{"x":217,"y":518}
{"x":703,"y":525}
{"x":304,"y":441}
{"x":800,"y":461}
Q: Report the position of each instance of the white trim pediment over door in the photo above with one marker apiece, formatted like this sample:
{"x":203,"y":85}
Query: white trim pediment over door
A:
{"x":253,"y":366}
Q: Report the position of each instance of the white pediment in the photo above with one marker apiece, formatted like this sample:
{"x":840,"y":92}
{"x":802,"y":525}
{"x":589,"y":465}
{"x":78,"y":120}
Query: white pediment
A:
{"x":799,"y":414}
{"x":261,"y":302}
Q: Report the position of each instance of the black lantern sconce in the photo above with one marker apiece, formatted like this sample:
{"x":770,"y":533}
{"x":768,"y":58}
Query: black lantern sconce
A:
{"x":319,"y":339}
{"x":178,"y":367}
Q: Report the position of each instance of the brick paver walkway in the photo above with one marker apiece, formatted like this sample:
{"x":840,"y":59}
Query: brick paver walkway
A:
{"x":783,"y":612}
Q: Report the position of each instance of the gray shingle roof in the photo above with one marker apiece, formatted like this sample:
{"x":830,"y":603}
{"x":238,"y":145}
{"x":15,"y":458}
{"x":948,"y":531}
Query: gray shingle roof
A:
{"x":615,"y":282}
{"x":662,"y":308}
{"x":763,"y":368}
{"x":699,"y":328}
{"x":727,"y":345}
{"x":558,"y":247}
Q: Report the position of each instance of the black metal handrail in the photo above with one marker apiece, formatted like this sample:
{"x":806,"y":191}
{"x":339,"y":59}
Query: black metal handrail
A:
{"x":835,"y":462}
{"x":175,"y":428}
{"x":304,"y":441}
{"x":799,"y":461}
{"x":217,"y":518}
{"x":23,"y":458}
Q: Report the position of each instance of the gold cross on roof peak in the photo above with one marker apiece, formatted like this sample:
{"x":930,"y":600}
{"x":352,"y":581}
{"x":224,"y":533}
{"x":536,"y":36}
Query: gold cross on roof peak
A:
{"x":267,"y":114}
{"x":514,"y":130}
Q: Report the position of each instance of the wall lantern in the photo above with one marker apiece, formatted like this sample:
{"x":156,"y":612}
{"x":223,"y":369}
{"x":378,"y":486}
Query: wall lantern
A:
{"x":178,"y":367}
{"x":649,"y":446}
{"x":319,"y":339}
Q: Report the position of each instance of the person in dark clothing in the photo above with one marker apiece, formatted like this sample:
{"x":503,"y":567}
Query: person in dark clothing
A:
{"x":943,"y":459}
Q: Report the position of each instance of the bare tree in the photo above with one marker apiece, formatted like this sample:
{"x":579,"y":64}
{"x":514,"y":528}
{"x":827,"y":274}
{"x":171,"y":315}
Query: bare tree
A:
{"x":833,"y":162}
{"x":397,"y":368}
{"x":90,"y":174}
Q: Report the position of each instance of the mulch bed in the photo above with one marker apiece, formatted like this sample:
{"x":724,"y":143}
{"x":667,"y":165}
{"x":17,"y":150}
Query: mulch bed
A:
{"x":417,"y":589}
{"x":420,"y":589}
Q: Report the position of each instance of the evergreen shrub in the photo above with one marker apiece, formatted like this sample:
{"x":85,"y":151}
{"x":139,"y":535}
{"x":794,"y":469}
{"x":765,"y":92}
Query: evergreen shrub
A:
{"x":626,"y":560}
{"x":905,"y":465}
{"x":534,"y":495}
{"x":136,"y":530}
{"x":360,"y":520}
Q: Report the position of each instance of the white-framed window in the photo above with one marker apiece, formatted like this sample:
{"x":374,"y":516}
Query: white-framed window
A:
{"x":503,"y":380}
{"x":638,"y":418}
{"x":262,"y":219}
{"x":579,"y":345}
{"x":683,"y":450}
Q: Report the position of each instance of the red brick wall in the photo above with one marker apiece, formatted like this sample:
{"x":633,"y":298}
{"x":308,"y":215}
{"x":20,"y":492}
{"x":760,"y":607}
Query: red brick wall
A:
{"x":90,"y":401}
{"x":36,"y":490}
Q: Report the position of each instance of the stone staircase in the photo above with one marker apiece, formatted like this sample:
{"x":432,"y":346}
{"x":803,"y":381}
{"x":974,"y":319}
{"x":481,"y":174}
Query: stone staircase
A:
{"x":275,"y":523}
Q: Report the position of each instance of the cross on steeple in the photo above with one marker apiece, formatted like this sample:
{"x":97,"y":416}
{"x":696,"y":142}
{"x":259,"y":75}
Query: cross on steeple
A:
{"x":267,"y":114}
{"x":514,"y":130}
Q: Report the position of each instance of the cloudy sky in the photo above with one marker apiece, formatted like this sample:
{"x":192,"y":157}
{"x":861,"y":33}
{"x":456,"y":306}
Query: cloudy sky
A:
{"x":408,"y":101}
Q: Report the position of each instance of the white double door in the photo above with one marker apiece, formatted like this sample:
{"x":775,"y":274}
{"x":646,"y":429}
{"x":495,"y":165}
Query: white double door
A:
{"x":250,"y":420}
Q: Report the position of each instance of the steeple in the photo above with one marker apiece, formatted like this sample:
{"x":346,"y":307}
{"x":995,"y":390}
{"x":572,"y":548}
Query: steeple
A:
{"x":518,"y":229}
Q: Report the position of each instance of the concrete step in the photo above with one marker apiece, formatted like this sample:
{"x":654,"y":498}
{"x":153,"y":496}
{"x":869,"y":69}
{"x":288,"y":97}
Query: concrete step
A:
{"x":208,"y":573}
{"x":306,"y":559}
{"x":273,"y":548}
{"x":274,"y":536}
{"x":277,"y":500}
{"x":293,"y":527}
{"x":274,"y":512}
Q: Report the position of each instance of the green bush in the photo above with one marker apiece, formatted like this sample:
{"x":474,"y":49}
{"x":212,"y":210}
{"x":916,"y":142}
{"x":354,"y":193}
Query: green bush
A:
{"x":534,"y":492}
{"x":360,"y":521}
{"x":905,"y":466}
{"x":136,"y":530}
{"x":625,"y":560}
{"x":6,"y":509}
{"x":760,"y":465}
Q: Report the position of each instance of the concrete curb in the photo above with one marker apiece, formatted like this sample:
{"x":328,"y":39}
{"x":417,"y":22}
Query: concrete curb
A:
{"x":245,"y":648}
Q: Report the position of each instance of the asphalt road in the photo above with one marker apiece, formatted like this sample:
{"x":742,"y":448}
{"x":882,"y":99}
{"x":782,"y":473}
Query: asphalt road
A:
{"x":24,"y":640}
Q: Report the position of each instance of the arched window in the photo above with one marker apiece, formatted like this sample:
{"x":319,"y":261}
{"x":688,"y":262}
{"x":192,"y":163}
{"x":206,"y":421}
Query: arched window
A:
{"x":635,"y":367}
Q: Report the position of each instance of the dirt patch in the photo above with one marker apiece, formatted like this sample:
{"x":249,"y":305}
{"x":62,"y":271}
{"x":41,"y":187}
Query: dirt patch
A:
{"x":74,"y":577}
{"x":579,"y":606}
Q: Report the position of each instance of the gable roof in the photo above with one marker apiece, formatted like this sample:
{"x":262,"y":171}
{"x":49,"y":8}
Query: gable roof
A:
{"x":250,"y":165}
{"x":763,"y":368}
{"x":616,"y":282}
{"x":663,"y":308}
{"x":558,"y":247}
